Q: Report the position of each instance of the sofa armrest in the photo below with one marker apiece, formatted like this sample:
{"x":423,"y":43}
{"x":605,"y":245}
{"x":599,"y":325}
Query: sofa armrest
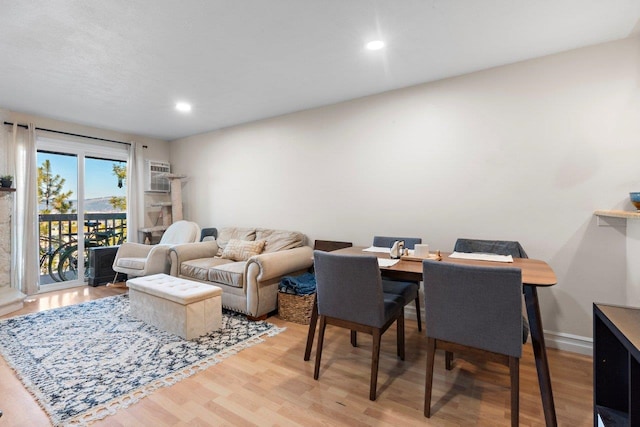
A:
{"x":187,"y":251}
{"x":262,"y":272}
{"x":157,"y":259}
{"x":275,"y":264}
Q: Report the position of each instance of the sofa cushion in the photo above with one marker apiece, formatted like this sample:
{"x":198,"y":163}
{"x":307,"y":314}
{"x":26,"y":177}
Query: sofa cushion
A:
{"x":228,"y":233}
{"x":199,"y":268}
{"x":279,"y":240}
{"x":231,"y":274}
{"x":242,"y":250}
{"x":132,"y":263}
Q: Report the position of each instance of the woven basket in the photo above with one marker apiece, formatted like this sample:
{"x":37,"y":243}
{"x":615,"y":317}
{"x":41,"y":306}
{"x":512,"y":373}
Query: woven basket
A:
{"x":296,"y":308}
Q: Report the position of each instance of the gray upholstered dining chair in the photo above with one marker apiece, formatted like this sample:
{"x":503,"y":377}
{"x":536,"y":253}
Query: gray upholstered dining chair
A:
{"x":325,"y":246}
{"x":349,"y":294}
{"x":208,"y":233}
{"x":410,"y":291}
{"x":498,"y":247}
{"x":386,"y":242}
{"x":474,"y":309}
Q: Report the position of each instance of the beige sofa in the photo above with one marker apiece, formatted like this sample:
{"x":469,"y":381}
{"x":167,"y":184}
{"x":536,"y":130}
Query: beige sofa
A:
{"x":247,"y":263}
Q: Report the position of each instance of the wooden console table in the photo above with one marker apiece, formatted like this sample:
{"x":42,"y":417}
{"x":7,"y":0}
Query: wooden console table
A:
{"x":616,"y":365}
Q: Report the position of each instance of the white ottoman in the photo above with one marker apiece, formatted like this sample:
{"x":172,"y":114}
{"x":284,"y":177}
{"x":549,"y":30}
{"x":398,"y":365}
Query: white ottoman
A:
{"x":183,"y":307}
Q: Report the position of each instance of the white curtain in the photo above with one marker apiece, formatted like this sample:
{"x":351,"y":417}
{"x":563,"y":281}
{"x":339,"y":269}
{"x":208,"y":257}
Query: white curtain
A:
{"x":135,"y":191}
{"x":22,"y":165}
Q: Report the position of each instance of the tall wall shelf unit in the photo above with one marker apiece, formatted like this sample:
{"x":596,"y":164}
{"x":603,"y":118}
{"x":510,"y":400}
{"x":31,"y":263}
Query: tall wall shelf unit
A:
{"x":171,"y":211}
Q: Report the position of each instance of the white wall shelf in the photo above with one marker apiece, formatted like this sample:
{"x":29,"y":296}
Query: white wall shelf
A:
{"x":618,"y":214}
{"x":615,"y":218}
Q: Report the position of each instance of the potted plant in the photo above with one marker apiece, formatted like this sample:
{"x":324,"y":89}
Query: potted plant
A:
{"x":6,"y":181}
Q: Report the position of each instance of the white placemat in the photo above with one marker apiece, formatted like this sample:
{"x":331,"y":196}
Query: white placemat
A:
{"x":383,"y":262}
{"x":377,"y":249}
{"x":482,"y":256}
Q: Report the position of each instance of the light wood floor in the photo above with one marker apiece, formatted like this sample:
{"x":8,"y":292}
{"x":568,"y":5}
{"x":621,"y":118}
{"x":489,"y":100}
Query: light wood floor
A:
{"x":270,"y":384}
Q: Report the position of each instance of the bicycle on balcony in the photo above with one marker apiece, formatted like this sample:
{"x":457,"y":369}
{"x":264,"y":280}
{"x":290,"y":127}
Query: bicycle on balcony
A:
{"x":47,"y":263}
{"x":62,"y":263}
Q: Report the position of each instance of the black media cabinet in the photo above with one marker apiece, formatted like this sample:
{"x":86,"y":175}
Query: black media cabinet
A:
{"x":616,"y":365}
{"x":100,"y":263}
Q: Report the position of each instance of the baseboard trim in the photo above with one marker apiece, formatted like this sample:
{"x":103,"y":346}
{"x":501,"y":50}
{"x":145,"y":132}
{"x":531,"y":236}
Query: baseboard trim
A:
{"x":10,"y":300}
{"x":560,"y":340}
{"x":10,"y":308}
{"x":569,"y":342}
{"x":410,"y":312}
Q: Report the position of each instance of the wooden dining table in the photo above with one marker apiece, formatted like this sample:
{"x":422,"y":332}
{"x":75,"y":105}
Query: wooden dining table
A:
{"x":535,"y":274}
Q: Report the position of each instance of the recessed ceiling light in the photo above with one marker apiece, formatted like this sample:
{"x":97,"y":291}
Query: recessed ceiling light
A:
{"x":183,"y":107}
{"x":375,"y":45}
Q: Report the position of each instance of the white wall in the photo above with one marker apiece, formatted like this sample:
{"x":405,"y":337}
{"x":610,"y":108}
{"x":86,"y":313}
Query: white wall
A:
{"x":521,"y":152}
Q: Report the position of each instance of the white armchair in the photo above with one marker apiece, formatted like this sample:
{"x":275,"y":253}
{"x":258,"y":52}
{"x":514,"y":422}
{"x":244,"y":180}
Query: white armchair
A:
{"x":136,"y":259}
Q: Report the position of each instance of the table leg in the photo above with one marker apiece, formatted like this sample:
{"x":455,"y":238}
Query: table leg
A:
{"x":312,"y":329}
{"x":540,"y":353}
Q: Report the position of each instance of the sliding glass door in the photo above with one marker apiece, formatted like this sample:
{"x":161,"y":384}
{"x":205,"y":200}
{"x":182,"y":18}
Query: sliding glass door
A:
{"x":81,"y":206}
{"x":57,"y":211}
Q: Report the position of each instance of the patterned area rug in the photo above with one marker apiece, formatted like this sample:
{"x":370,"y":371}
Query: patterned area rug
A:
{"x":83,"y":362}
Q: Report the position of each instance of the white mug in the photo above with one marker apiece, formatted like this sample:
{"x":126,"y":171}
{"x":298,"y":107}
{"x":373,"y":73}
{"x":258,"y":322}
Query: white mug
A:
{"x":421,"y":250}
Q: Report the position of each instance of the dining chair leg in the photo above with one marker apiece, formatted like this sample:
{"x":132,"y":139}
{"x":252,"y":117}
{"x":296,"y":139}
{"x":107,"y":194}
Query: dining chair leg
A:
{"x":514,"y":370}
{"x":312,"y":329}
{"x":418,"y":314}
{"x":400,"y":335}
{"x":375,"y":361}
{"x":323,"y":325}
{"x":354,"y":338}
{"x":428,"y":382}
{"x":448,"y":360}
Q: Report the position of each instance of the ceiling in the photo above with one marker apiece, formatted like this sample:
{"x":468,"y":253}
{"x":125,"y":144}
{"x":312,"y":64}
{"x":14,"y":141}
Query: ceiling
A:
{"x":123,"y":64}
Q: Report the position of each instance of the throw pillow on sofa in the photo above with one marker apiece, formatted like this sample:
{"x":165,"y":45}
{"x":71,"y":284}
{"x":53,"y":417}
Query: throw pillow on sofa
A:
{"x":239,"y":233}
{"x":242,"y":250}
